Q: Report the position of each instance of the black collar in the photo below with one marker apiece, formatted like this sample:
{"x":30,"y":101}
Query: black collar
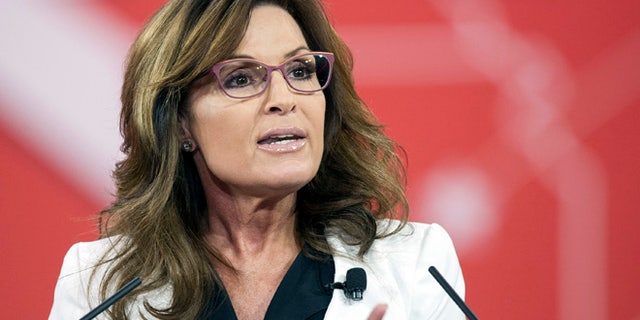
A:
{"x":300,"y":295}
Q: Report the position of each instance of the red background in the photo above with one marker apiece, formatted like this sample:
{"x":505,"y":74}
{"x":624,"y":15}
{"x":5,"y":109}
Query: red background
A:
{"x":523,"y":116}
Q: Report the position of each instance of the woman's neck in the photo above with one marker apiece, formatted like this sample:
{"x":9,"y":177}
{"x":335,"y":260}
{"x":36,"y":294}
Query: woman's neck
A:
{"x":247,"y":228}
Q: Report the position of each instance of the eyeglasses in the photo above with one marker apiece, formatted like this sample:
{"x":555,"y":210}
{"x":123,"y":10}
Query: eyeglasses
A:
{"x":246,"y":78}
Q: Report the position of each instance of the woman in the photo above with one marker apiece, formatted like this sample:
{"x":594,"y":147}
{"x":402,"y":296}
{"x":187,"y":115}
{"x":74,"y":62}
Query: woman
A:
{"x":254,"y":178}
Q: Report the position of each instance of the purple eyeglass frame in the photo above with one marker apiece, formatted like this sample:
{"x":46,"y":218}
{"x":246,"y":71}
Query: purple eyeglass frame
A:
{"x":218,"y":66}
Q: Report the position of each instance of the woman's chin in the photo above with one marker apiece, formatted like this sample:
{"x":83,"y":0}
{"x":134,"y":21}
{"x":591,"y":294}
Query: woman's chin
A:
{"x":279,"y":184}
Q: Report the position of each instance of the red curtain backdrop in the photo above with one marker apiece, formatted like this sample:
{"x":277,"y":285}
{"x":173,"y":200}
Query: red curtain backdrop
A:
{"x":520,"y":119}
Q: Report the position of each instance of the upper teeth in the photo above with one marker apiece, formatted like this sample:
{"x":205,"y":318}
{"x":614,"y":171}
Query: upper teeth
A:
{"x":281,"y":136}
{"x":280,"y":139}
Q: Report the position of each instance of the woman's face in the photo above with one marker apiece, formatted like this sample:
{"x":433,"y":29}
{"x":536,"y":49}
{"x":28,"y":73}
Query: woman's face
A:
{"x":232,"y":135}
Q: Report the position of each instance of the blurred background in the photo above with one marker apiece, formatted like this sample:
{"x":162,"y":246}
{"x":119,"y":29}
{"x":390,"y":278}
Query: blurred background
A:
{"x":521,"y":120}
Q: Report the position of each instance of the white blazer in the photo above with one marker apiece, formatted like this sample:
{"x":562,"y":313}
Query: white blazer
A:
{"x":396,"y":269}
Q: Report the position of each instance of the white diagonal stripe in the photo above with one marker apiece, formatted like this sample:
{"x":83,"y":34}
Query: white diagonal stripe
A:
{"x":60,"y":76}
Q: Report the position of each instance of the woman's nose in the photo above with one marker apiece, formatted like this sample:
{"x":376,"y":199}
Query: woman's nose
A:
{"x":280,"y":96}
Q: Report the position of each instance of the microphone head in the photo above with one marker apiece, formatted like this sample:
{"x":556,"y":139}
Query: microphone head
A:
{"x":356,"y":278}
{"x":355,"y":284}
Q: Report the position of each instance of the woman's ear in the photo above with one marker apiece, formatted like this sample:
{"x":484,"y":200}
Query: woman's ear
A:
{"x":187,"y":144}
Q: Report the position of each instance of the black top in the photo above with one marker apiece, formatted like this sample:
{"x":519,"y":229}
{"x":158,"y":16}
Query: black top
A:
{"x":300,"y":295}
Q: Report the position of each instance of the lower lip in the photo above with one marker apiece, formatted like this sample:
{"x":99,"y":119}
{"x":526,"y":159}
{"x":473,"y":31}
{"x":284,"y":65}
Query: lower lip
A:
{"x":284,"y":148}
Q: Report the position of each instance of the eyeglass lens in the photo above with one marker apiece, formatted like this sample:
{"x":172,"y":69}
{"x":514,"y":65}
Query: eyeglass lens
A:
{"x":304,"y":73}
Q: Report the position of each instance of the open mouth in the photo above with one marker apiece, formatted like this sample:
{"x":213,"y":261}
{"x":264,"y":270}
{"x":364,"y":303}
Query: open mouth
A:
{"x":280,"y":139}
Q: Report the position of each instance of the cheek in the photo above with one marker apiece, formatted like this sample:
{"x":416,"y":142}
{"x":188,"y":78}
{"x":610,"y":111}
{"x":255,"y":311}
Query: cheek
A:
{"x":220,"y":135}
{"x":220,"y":132}
{"x":318,"y":118}
{"x":317,"y":122}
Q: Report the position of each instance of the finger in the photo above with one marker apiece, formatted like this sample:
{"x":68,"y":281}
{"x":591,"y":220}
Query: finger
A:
{"x":378,"y":312}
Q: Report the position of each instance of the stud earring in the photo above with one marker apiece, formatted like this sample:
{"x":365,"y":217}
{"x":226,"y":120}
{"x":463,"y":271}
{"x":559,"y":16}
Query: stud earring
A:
{"x":188,"y":145}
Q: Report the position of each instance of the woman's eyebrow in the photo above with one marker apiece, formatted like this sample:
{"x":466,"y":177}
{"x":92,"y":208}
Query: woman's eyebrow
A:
{"x":286,"y":55}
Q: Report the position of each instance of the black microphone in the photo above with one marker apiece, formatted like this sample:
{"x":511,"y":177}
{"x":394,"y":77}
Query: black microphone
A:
{"x":452,"y":293}
{"x":113,"y":299}
{"x":354,"y":286}
{"x":356,"y":283}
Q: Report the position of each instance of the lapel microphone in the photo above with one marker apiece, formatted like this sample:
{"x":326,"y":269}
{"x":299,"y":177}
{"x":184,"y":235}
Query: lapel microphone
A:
{"x":354,"y":286}
{"x":452,"y":293}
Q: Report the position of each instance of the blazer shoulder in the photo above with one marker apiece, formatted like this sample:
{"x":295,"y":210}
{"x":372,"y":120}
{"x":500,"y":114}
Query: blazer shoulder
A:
{"x":420,"y":245}
{"x":75,"y":293}
{"x":85,"y":256}
{"x":411,"y":238}
{"x":412,"y":235}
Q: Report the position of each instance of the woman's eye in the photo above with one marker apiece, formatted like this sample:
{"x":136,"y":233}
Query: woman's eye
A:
{"x":301,"y":73}
{"x":237,"y":80}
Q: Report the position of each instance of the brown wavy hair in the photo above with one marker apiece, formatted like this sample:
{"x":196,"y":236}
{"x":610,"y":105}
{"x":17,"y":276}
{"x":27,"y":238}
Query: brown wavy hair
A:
{"x":159,"y":206}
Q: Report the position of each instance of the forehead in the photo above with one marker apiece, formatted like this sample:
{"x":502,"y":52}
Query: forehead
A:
{"x":271,"y":34}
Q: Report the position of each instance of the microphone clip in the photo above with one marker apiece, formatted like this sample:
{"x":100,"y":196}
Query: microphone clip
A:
{"x":354,"y":286}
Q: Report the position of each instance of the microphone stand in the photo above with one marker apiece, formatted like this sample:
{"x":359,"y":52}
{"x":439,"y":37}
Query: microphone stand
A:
{"x":452,"y":293}
{"x":113,"y":299}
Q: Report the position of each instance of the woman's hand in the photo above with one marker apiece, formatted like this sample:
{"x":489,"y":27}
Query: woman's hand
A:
{"x":378,"y":312}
